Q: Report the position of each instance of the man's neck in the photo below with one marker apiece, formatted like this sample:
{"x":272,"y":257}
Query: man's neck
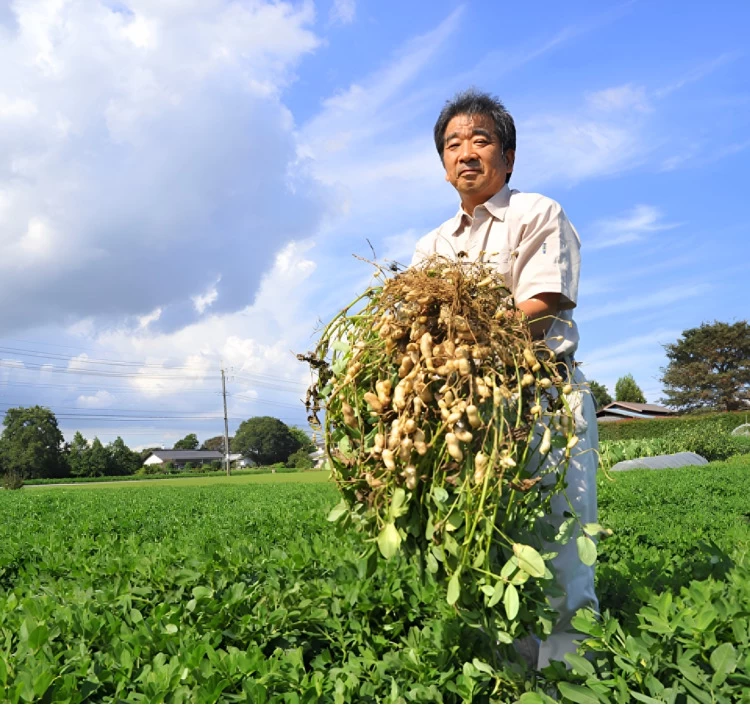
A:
{"x":469,"y":205}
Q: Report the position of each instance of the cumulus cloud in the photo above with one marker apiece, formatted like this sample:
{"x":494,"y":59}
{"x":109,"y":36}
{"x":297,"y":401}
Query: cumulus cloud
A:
{"x":144,"y":154}
{"x":256,"y":346}
{"x":101,"y":399}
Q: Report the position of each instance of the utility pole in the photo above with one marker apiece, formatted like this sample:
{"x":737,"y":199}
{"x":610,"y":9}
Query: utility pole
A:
{"x":226,"y":422}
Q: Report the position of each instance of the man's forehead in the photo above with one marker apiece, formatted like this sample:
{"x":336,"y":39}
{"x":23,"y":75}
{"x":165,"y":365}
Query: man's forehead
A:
{"x":468,"y":123}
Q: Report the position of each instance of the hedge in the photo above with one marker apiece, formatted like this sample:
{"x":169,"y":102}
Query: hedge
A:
{"x":658,"y":428}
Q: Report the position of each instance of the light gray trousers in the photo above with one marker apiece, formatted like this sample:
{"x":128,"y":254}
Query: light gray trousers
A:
{"x":575,"y":578}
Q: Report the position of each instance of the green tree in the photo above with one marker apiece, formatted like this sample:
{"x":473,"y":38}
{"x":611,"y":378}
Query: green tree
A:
{"x":99,"y":461}
{"x":215,"y":443}
{"x":123,"y":461}
{"x":190,"y":442}
{"x":600,"y":393}
{"x":305,"y":442}
{"x":78,"y":451}
{"x":709,"y":368}
{"x":265,"y":440}
{"x":626,"y":389}
{"x":32,"y":444}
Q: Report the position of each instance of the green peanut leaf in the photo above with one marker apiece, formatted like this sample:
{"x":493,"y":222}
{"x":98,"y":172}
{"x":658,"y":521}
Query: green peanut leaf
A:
{"x":398,"y":503}
{"x":529,"y":560}
{"x":497,"y":594}
{"x":578,"y":693}
{"x":338,"y":511}
{"x":482,"y":666}
{"x":586,"y":550}
{"x":389,"y":540}
{"x":454,"y":587}
{"x":581,"y":665}
{"x":510,"y":601}
{"x":566,"y":530}
{"x":723,"y":660}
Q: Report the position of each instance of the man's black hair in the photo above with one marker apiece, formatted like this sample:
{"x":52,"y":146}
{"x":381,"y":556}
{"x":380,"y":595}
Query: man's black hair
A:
{"x":473,"y":102}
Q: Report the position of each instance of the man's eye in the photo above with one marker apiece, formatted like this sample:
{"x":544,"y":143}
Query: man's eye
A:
{"x":481,"y":143}
{"x":452,"y":145}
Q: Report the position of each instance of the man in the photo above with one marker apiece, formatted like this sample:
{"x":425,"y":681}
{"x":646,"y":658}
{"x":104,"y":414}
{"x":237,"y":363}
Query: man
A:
{"x":531,"y":242}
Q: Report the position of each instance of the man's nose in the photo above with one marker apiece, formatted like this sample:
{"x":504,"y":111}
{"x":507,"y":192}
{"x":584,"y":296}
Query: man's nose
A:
{"x":467,"y":152}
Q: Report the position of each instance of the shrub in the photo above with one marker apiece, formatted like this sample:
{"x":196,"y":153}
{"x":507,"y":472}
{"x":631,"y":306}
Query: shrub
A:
{"x":657,"y":428}
{"x":12,"y":480}
{"x":299,"y":459}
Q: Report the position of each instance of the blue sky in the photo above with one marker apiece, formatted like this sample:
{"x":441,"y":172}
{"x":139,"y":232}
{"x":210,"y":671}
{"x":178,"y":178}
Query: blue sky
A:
{"x":182,"y":185}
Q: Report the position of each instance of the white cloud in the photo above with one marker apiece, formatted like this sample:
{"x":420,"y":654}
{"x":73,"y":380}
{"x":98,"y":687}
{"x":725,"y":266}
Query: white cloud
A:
{"x":628,"y":228}
{"x":100,"y":400}
{"x":8,"y":370}
{"x":571,"y":147}
{"x":204,"y":300}
{"x":16,"y":108}
{"x":145,"y":321}
{"x":144,"y":153}
{"x":256,"y":346}
{"x":342,"y":11}
{"x":626,"y":97}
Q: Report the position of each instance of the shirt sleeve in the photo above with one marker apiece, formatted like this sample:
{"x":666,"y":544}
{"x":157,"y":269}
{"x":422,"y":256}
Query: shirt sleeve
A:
{"x":548,"y":256}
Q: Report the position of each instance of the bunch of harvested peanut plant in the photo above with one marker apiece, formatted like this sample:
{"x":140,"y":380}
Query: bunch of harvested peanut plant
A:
{"x":439,"y":407}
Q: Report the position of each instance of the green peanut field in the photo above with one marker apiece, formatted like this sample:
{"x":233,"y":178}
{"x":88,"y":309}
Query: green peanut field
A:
{"x":213,"y":590}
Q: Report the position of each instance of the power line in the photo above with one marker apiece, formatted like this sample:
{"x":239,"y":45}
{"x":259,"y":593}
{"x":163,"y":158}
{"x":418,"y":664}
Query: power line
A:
{"x":81,"y":348}
{"x":266,"y":401}
{"x":101,"y":373}
{"x":73,"y":386}
{"x":87,"y":410}
{"x":89,"y":361}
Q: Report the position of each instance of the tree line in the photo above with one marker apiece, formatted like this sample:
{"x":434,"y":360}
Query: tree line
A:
{"x":32,"y":446}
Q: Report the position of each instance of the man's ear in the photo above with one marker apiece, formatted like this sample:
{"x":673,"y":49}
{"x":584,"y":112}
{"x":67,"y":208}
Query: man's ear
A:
{"x":510,"y":158}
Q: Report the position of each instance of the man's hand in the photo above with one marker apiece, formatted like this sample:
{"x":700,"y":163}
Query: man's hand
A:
{"x":541,"y":310}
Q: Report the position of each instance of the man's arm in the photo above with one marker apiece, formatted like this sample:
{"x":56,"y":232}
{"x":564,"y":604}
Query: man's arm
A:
{"x":541,"y":311}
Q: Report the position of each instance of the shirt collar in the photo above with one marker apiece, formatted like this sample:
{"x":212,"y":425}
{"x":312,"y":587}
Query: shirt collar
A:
{"x":497,"y":206}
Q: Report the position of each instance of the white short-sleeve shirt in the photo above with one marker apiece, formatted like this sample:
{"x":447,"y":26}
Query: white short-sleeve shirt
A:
{"x":530,"y":240}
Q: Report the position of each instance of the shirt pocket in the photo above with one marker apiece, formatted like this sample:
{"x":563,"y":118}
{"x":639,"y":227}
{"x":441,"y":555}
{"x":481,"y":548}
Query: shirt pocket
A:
{"x":501,"y":262}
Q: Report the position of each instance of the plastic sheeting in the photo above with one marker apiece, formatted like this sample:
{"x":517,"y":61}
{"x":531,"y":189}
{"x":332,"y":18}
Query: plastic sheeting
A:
{"x":661,"y":462}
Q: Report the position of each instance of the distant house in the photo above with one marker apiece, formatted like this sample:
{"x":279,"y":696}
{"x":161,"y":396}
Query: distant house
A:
{"x":240,"y":461}
{"x":180,"y":458}
{"x":626,"y":410}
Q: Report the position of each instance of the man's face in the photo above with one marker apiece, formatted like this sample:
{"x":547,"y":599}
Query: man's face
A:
{"x":474,"y":160}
